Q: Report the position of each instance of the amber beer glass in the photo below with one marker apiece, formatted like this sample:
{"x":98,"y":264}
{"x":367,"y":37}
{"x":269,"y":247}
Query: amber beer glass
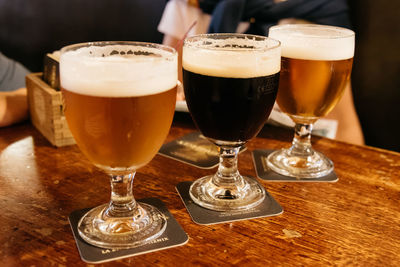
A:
{"x":119,"y":103}
{"x":230,"y":83}
{"x":316,"y":67}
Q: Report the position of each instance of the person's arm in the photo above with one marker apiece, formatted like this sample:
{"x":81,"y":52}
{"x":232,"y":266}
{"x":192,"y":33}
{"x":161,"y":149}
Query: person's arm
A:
{"x":181,"y":18}
{"x":172,"y":41}
{"x":349,"y":127}
{"x":13,"y":107}
{"x":13,"y":102}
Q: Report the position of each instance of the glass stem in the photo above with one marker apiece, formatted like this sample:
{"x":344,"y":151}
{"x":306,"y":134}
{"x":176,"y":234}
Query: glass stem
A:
{"x":122,"y":203}
{"x":227,"y":173}
{"x":301,"y":144}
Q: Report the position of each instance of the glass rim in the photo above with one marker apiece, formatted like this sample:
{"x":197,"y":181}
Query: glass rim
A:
{"x":188,"y":42}
{"x":75,"y":46}
{"x":341,"y":32}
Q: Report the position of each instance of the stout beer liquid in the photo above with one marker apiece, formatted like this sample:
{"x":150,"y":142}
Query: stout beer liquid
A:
{"x":230,"y":109}
{"x":230,"y":84}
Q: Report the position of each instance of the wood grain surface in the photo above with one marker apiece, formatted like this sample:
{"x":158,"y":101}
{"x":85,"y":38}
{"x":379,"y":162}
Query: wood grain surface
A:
{"x":353,"y":222}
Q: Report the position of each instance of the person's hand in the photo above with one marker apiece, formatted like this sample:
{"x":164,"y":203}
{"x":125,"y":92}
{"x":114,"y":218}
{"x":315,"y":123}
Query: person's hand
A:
{"x":13,"y":107}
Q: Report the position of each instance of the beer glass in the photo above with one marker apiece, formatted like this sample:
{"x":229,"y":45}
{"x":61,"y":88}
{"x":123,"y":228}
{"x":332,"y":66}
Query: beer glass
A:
{"x":316,"y":66}
{"x":230,"y":83}
{"x":119,"y":103}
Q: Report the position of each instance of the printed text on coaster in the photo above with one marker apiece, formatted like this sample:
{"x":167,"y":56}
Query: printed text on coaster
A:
{"x":173,"y":236}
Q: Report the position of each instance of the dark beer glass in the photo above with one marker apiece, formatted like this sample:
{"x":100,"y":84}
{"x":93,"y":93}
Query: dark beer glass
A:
{"x":119,"y":103}
{"x":316,"y":67}
{"x":230,"y":83}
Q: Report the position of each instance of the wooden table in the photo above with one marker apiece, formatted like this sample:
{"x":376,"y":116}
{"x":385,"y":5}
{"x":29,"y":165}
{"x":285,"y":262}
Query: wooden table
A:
{"x":355,"y":221}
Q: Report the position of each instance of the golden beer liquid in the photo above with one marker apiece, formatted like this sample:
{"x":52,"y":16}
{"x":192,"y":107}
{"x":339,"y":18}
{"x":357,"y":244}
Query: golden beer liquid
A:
{"x":119,"y":132}
{"x":311,"y":88}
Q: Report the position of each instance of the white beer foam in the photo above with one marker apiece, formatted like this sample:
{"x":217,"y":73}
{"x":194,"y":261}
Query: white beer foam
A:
{"x":233,"y":62}
{"x":313,"y":42}
{"x":85,"y":71}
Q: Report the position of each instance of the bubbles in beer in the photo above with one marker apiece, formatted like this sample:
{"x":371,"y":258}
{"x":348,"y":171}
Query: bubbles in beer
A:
{"x":232,"y":57}
{"x":118,"y":70}
{"x":312,"y":42}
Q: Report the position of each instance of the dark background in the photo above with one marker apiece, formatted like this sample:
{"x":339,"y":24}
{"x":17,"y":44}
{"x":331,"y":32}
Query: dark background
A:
{"x":376,"y":70}
{"x":30,"y":29}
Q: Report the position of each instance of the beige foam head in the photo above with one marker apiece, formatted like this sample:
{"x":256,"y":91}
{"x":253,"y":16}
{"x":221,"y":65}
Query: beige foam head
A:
{"x":314,"y":42}
{"x":118,"y":70}
{"x":235,"y":57}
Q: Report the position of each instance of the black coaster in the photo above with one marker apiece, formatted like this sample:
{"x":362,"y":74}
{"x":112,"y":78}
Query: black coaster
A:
{"x":263,"y":172}
{"x":193,"y":149}
{"x":173,"y":236}
{"x":269,"y":207}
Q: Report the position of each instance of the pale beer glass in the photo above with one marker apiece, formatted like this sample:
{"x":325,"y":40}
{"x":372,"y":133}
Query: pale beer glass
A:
{"x":316,"y":67}
{"x":119,"y":103}
{"x":230,"y":83}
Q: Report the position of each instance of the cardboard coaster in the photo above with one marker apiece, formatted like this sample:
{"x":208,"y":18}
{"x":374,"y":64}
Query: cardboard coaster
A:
{"x":263,"y":172}
{"x":193,"y":149}
{"x":173,"y":236}
{"x":269,"y":207}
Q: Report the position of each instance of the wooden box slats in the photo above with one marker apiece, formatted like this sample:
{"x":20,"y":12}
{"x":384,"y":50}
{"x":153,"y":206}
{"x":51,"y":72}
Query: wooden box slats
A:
{"x":46,"y":111}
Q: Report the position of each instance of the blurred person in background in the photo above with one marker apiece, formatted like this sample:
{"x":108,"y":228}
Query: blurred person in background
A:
{"x":13,"y":97}
{"x":31,"y":29}
{"x":256,"y":17}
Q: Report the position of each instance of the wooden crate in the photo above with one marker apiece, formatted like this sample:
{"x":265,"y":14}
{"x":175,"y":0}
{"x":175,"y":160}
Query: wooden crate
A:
{"x":46,"y":111}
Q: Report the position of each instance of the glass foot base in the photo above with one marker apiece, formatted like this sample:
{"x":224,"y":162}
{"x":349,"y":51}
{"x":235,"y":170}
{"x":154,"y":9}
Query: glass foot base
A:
{"x":100,"y":230}
{"x":247,"y":194}
{"x":314,"y":166}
